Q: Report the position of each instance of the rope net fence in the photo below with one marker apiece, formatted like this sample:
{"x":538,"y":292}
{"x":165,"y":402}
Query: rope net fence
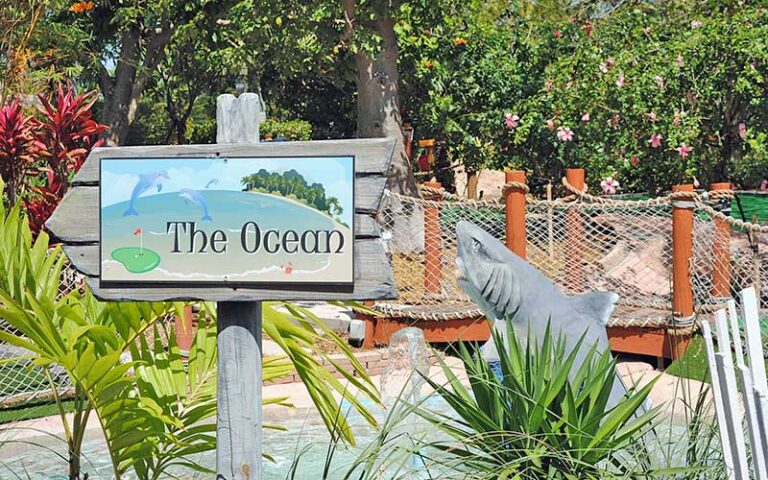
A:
{"x":25,"y":385}
{"x":582,"y":243}
{"x":21,"y":382}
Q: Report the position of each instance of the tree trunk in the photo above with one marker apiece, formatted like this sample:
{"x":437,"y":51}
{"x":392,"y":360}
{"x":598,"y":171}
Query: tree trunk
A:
{"x":378,"y":98}
{"x":472,"y":184}
{"x":118,"y":96}
{"x":131,"y":76}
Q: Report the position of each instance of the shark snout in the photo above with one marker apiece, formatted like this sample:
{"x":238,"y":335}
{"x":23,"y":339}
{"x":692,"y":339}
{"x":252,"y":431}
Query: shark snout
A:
{"x":460,"y":274}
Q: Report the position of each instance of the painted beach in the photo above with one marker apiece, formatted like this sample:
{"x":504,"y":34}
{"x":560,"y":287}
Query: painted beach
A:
{"x":208,"y":234}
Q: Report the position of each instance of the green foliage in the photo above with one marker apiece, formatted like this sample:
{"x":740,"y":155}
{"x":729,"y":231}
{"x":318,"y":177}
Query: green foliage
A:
{"x":288,"y":130}
{"x":689,"y":72}
{"x":158,"y":416}
{"x":293,"y":184}
{"x":547,"y":417}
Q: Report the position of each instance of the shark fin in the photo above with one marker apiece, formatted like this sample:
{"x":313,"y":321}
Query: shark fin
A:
{"x":599,"y":304}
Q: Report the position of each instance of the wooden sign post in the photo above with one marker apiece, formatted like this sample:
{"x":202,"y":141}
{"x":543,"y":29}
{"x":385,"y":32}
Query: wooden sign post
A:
{"x":238,"y":223}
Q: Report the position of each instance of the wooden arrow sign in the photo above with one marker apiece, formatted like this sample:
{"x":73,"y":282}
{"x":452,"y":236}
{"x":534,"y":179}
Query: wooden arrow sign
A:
{"x":230,"y":222}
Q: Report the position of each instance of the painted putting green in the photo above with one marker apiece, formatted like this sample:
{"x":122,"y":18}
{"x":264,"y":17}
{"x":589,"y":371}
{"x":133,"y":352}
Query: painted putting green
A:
{"x":137,"y":260}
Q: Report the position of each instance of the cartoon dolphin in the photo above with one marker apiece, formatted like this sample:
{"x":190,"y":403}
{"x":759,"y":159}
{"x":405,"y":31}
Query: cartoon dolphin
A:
{"x":195,"y":197}
{"x":213,"y":181}
{"x":506,"y":288}
{"x":145,"y":183}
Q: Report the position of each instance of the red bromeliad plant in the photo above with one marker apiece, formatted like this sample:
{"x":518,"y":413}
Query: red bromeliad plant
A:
{"x":66,"y":133}
{"x":18,"y":147}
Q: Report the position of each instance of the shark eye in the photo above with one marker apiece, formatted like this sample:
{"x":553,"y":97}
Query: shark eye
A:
{"x":477,"y":247}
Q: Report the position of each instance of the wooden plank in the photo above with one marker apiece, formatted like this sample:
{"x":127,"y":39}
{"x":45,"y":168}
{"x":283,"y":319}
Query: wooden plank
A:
{"x":239,"y":416}
{"x":654,"y":342}
{"x":720,"y":412}
{"x":373,"y":281}
{"x":76,"y":220}
{"x":753,"y":421}
{"x":733,"y":421}
{"x":85,"y":258}
{"x":750,"y":310}
{"x":238,"y":413}
{"x":754,"y":338}
{"x":730,"y":395}
{"x":380,"y":329}
{"x":372,"y":155}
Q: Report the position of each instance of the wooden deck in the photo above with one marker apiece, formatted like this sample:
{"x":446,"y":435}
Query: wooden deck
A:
{"x":633,"y":330}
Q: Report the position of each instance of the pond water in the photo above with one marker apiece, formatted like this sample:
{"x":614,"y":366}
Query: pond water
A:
{"x":42,"y":458}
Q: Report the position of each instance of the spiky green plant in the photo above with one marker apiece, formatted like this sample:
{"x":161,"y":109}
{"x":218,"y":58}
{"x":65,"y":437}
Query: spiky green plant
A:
{"x":546,"y":417}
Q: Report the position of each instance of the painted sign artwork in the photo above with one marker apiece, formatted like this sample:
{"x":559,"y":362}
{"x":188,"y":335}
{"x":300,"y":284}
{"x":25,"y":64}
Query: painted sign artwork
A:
{"x":243,"y":220}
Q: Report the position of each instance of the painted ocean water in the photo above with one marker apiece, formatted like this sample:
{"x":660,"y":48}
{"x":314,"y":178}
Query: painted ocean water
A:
{"x":128,"y":241}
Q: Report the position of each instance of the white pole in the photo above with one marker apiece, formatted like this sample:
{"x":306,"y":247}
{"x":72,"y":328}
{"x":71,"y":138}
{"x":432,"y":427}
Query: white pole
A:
{"x":730,"y":394}
{"x":753,"y":421}
{"x":750,"y":308}
{"x":717,"y":395}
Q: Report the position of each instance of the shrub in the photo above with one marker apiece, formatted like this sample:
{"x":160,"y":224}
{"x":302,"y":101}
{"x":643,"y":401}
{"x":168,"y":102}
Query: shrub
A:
{"x":653,"y":93}
{"x":17,"y":148}
{"x":39,"y":154}
{"x":293,"y":130}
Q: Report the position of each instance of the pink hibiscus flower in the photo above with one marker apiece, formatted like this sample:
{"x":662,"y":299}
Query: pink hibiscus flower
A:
{"x":551,"y":124}
{"x":620,"y":80}
{"x":609,"y":185}
{"x":511,"y":121}
{"x":660,"y":82}
{"x":684,"y":150}
{"x":743,"y":130}
{"x":585,"y":117}
{"x":652,"y":116}
{"x":695,"y":24}
{"x":558,"y":34}
{"x":564,"y":134}
{"x":655,"y":140}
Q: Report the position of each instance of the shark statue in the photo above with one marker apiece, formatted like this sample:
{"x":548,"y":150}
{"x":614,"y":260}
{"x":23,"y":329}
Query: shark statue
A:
{"x":146,"y":182}
{"x":507,"y":288}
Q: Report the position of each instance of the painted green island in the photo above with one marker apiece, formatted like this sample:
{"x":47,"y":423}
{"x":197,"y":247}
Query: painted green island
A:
{"x":137,"y":260}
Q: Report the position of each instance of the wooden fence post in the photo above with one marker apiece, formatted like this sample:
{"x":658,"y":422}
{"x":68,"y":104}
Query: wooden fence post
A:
{"x":721,"y":270}
{"x":515,"y":212}
{"x":682,"y":252}
{"x":433,"y":246}
{"x":238,"y":340}
{"x":574,"y":241}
